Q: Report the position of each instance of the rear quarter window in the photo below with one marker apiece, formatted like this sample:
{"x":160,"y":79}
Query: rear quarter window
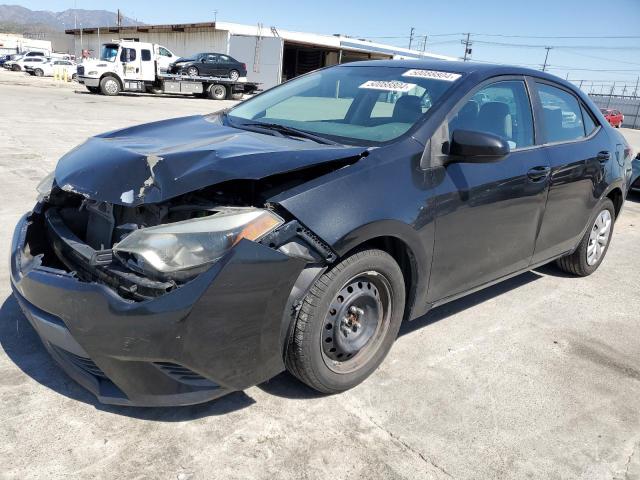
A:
{"x":562,"y":114}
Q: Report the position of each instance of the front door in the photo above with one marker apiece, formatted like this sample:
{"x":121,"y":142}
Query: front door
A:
{"x":488,"y":214}
{"x":131,"y":63}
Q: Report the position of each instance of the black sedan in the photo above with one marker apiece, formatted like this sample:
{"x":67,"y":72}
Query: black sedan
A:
{"x":175,"y":262}
{"x":210,"y":65}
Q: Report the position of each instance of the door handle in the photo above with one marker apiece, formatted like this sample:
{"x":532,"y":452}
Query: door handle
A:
{"x":604,"y":156}
{"x":538,"y":173}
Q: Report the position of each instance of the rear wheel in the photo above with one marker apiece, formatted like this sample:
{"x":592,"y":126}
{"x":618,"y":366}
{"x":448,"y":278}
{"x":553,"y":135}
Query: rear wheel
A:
{"x":15,"y":68}
{"x":237,"y":96}
{"x":38,"y":72}
{"x":109,"y":86}
{"x":348,"y":322}
{"x":594,"y":245}
{"x":218,"y":92}
{"x":234,"y":75}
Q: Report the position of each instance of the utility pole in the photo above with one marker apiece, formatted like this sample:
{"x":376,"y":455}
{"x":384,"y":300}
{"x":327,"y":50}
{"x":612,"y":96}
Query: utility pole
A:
{"x":611,"y":94}
{"x":424,"y":44}
{"x":546,"y":57}
{"x":215,"y":17}
{"x":467,"y":44}
{"x":580,"y":87}
{"x":411,"y":37}
{"x":119,"y":19}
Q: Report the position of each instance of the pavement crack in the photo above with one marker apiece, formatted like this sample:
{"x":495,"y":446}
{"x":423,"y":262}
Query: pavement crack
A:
{"x":423,"y":457}
{"x":628,"y":464}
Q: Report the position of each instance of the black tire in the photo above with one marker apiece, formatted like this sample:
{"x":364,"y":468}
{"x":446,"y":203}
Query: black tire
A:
{"x":234,"y":75}
{"x":306,"y":355}
{"x":217,"y":92}
{"x":576,"y":263}
{"x":38,"y":72}
{"x":74,"y":77}
{"x":15,"y":68}
{"x":94,"y":89}
{"x":109,"y":86}
{"x":193,"y":71}
{"x":237,"y":96}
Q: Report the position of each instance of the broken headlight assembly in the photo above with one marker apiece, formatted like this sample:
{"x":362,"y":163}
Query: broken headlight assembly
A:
{"x":45,"y":186}
{"x":184,"y":248}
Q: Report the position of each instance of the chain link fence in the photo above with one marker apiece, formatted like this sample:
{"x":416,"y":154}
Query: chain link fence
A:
{"x":628,"y":105}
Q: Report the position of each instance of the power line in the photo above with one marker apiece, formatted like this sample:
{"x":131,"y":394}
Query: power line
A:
{"x":564,"y":47}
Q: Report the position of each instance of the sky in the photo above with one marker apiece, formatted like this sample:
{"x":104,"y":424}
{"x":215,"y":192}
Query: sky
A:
{"x":596,"y":61}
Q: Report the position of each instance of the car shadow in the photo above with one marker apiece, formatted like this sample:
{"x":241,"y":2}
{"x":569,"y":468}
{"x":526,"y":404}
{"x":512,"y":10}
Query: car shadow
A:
{"x":22,"y":345}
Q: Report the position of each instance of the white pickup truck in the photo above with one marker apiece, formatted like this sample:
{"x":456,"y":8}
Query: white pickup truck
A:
{"x":142,"y":67}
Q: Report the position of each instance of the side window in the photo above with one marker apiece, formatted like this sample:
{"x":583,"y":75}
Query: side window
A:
{"x":589,"y":123}
{"x":145,"y":55}
{"x":164,"y":52}
{"x":127,"y":55}
{"x":562,"y":115}
{"x":224,"y":58}
{"x":503,"y":109}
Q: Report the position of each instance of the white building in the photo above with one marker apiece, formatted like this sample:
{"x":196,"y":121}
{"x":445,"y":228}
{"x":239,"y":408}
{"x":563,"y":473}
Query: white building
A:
{"x":11,"y":43}
{"x":271,"y":55}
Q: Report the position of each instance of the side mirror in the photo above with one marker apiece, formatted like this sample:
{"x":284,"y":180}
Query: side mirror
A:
{"x":477,"y":147}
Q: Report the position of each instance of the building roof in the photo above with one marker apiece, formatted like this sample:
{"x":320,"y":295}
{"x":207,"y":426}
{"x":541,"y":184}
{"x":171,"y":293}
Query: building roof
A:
{"x":336,"y":42}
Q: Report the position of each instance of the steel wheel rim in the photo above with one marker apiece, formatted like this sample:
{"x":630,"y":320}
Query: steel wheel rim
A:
{"x":111,"y":86}
{"x":356,"y":322}
{"x":218,"y":91}
{"x":599,"y":237}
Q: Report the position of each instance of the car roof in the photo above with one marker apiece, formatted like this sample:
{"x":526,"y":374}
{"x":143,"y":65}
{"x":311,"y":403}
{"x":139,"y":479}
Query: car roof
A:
{"x":452,"y":66}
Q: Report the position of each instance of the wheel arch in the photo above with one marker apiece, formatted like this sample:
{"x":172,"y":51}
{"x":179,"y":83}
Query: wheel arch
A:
{"x":616,"y":196}
{"x":113,"y":75}
{"x":403,"y":243}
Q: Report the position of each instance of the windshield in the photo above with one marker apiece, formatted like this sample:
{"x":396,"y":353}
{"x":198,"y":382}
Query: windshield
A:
{"x":360,"y":104}
{"x":109,"y":53}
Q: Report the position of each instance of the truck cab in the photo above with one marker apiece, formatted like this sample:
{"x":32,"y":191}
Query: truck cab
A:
{"x":124,"y":65}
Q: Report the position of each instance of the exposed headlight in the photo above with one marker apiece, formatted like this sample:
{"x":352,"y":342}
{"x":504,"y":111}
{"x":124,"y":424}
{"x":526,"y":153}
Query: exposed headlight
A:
{"x":193,"y":243}
{"x":45,"y":186}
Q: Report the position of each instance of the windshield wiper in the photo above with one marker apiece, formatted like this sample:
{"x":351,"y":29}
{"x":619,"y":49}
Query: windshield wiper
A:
{"x":290,"y":131}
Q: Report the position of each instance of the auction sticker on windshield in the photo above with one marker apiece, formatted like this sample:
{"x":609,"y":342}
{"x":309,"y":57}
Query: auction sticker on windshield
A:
{"x":388,"y":86}
{"x":435,"y":74}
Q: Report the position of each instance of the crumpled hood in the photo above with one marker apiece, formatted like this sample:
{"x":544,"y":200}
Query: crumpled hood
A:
{"x":157,"y":161}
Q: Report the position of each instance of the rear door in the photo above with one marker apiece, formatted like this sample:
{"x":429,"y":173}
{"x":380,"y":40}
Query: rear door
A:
{"x":147,"y":65}
{"x":577,"y":148}
{"x":488,"y":214}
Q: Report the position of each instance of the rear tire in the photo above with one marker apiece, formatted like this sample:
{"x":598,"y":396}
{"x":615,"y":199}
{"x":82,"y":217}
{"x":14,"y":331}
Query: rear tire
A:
{"x":594,"y":245}
{"x":217,"y":92}
{"x":347,"y":322}
{"x":109,"y":86}
{"x":38,"y":72}
{"x":15,"y":68}
{"x":237,"y":96}
{"x":234,"y":75}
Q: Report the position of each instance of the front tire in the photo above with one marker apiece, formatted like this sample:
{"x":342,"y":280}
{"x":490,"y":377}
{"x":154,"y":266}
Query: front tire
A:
{"x":109,"y":86}
{"x":594,"y":245}
{"x":347,"y":322}
{"x":38,"y":72}
{"x":193,"y":71}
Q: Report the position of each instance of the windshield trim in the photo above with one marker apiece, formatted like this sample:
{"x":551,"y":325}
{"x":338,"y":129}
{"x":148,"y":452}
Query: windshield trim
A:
{"x":233,"y":120}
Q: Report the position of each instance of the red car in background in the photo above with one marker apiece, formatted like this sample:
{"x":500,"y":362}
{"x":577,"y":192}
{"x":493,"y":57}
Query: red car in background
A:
{"x":614,"y":117}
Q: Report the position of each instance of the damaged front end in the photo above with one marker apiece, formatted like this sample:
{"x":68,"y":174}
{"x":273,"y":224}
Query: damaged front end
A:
{"x":183,"y":290}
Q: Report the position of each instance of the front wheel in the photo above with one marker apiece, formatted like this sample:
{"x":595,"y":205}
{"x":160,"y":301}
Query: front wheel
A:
{"x":109,"y":86}
{"x":192,"y":71}
{"x":594,"y":245}
{"x":347,"y":322}
{"x":93,"y":89}
{"x":38,"y":72}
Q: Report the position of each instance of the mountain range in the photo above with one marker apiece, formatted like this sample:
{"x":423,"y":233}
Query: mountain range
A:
{"x":14,"y":18}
